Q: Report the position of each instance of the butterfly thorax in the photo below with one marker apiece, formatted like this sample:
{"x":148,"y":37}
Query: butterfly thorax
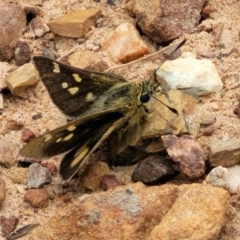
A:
{"x":132,"y":98}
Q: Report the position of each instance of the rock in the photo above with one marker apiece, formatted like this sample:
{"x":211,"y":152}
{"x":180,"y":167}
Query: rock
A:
{"x":22,"y":53}
{"x":227,"y":178}
{"x":197,"y":76}
{"x":28,"y":135}
{"x":163,"y":21}
{"x":125,"y":212}
{"x":24,"y":77}
{"x":2,"y":191}
{"x":37,"y":116}
{"x":109,"y":181}
{"x":75,"y":24}
{"x":8,"y":224}
{"x":19,"y":175}
{"x":38,"y":176}
{"x":87,"y":60}
{"x":93,"y":175}
{"x":224,"y":153}
{"x":153,"y":169}
{"x":187,"y":153}
{"x":38,"y":27}
{"x":12,"y":22}
{"x":8,"y":153}
{"x":51,"y":167}
{"x":197,"y":214}
{"x":124,"y":44}
{"x":36,"y":198}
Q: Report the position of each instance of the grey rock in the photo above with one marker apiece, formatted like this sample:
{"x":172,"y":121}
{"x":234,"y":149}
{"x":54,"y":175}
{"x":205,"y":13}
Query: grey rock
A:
{"x":38,"y":176}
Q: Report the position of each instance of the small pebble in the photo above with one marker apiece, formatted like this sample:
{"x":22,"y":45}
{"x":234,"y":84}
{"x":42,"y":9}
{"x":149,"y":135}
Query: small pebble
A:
{"x":38,"y":176}
{"x":37,"y":197}
{"x":8,"y":224}
{"x":28,"y":135}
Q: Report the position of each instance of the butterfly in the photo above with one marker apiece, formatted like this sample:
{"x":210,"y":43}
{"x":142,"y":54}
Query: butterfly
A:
{"x":102,"y":105}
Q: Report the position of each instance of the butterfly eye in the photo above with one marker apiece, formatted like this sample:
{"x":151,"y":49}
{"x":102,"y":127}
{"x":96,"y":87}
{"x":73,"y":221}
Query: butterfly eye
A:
{"x":144,"y":98}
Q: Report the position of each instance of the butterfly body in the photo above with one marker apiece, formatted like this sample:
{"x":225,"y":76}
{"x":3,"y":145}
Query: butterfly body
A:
{"x":101,"y":104}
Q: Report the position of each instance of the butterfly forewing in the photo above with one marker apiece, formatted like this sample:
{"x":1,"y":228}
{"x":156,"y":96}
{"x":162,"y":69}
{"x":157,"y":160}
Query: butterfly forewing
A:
{"x":72,"y":89}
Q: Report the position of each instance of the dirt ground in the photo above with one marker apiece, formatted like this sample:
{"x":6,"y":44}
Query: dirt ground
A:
{"x":19,"y":110}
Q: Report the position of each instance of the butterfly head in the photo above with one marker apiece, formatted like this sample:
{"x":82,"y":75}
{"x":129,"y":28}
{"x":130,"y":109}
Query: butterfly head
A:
{"x":148,"y":89}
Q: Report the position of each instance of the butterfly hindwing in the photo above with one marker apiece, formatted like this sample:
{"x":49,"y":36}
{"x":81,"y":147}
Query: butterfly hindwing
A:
{"x":78,"y":138}
{"x":72,"y":89}
{"x":75,"y":133}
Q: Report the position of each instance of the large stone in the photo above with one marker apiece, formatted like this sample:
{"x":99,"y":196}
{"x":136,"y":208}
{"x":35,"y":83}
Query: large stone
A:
{"x":224,"y":153}
{"x":124,"y":44}
{"x":197,"y":76}
{"x":197,"y":214}
{"x":75,"y":24}
{"x":187,"y":153}
{"x":24,"y":77}
{"x":12,"y":22}
{"x":162,"y":20}
{"x":125,"y":212}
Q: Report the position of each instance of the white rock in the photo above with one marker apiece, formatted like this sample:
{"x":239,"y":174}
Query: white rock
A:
{"x":227,"y":178}
{"x":198,"y":76}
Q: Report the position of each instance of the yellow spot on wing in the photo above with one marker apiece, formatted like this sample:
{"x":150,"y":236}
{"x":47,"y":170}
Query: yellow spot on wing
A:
{"x":81,"y":153}
{"x":73,"y":90}
{"x":68,"y":137}
{"x":56,"y":68}
{"x":90,"y":97}
{"x":64,"y":85}
{"x":47,"y":137}
{"x":59,"y":140}
{"x":77,"y":77}
{"x":71,"y":128}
